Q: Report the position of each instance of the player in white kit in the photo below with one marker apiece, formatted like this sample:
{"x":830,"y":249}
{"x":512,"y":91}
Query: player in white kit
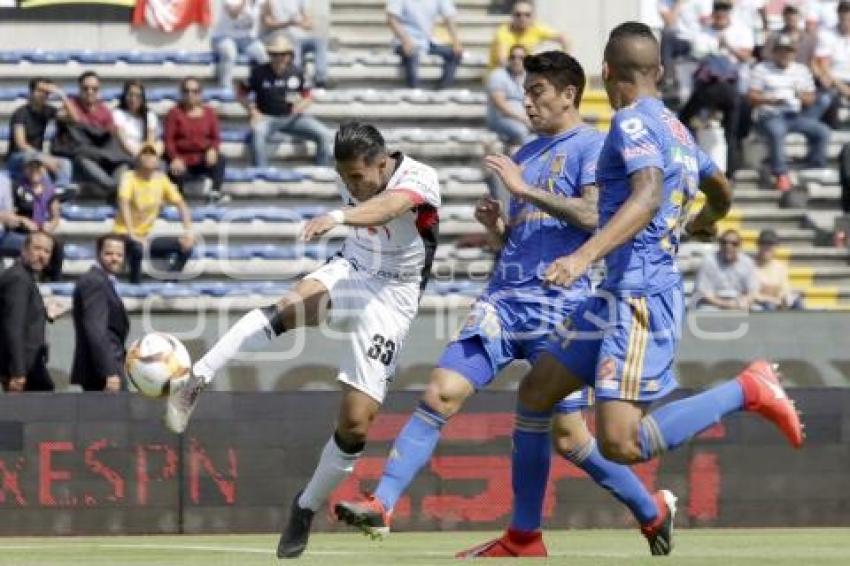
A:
{"x":370,"y":290}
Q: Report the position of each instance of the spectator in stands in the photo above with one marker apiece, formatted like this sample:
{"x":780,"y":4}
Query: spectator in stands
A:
{"x":135,"y":123}
{"x":505,"y":94}
{"x":87,"y":135}
{"x":11,"y":224}
{"x":782,"y":92}
{"x":236,"y":32}
{"x":28,"y":126}
{"x":726,"y":280}
{"x":774,"y":285}
{"x":193,"y":141}
{"x":23,"y":313}
{"x":281,"y":98}
{"x":141,"y":197}
{"x":525,"y":31}
{"x":412,"y":24}
{"x":682,"y":21}
{"x":832,"y":63}
{"x":752,"y":16}
{"x":36,"y":199}
{"x":101,"y":324}
{"x":292,"y":19}
{"x":792,"y":26}
{"x":724,"y":50}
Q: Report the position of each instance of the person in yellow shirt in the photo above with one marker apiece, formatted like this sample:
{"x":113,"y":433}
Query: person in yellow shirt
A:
{"x":522,"y":30}
{"x":141,"y":196}
{"x":774,"y":292}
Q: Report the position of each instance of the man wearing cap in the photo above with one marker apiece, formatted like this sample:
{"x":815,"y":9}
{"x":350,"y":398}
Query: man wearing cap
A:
{"x":792,"y":25}
{"x":774,"y":285}
{"x":832,"y":62}
{"x":281,"y":97}
{"x":782,"y":92}
{"x":141,"y":196}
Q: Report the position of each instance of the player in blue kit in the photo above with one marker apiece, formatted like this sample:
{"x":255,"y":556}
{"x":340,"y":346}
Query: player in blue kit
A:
{"x":623,"y":341}
{"x":553,"y":210}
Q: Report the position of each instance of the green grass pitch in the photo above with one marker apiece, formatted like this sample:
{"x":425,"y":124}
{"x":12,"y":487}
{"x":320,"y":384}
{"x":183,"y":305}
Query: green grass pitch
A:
{"x":808,"y":547}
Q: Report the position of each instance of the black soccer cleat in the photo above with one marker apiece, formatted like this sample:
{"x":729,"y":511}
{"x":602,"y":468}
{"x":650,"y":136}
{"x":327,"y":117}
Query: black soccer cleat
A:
{"x":293,"y":540}
{"x":659,"y":534}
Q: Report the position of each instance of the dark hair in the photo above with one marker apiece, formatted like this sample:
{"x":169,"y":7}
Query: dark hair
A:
{"x":31,"y":236}
{"x":191,"y":78}
{"x":356,"y":139}
{"x":37,"y":81}
{"x":560,"y":69}
{"x":109,"y":237}
{"x":143,"y":109}
{"x":615,"y":52}
{"x":843,"y":6}
{"x":87,"y":75}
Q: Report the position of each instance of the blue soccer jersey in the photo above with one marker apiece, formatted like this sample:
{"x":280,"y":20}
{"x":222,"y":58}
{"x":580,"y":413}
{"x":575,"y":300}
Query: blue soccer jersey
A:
{"x":623,"y":342}
{"x":647,"y":134}
{"x":513,"y":319}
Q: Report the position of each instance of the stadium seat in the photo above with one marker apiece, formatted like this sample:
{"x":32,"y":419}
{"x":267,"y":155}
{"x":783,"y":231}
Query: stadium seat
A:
{"x":77,"y":213}
{"x":78,"y":252}
{"x":61,"y":289}
{"x":219,"y":95}
{"x":468,"y":97}
{"x":14,"y":56}
{"x":237,"y":175}
{"x":8,"y":94}
{"x":192,"y":57}
{"x":4,"y":132}
{"x":145,"y":57}
{"x":316,"y":174}
{"x":308,"y":212}
{"x":235,"y":136}
{"x":52,"y":57}
{"x":335,"y":96}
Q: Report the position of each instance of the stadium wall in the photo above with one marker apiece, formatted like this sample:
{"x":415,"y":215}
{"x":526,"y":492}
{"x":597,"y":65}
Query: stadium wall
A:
{"x":101,"y":464}
{"x":810,"y":346}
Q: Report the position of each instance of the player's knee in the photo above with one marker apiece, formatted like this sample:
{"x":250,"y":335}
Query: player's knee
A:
{"x":532,"y":397}
{"x":620,"y":450}
{"x":353,"y":426}
{"x":446,"y":396}
{"x":564,"y":443}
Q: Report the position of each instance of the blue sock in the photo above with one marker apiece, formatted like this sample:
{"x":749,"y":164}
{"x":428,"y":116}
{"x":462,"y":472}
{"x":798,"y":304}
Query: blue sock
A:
{"x":620,"y":480}
{"x":678,"y":422}
{"x":411,"y":451}
{"x":530,"y":467}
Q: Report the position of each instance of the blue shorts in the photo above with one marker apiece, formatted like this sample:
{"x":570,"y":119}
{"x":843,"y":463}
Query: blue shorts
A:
{"x":499,"y":330}
{"x":624,"y":346}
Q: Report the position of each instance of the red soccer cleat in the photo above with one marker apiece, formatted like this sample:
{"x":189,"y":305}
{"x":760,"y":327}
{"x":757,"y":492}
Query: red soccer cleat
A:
{"x":368,"y":515}
{"x":512,"y":544}
{"x":764,"y":395}
{"x":659,"y":533}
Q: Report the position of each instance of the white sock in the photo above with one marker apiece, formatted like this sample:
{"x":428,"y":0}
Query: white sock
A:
{"x":334,"y":466}
{"x":251,"y":332}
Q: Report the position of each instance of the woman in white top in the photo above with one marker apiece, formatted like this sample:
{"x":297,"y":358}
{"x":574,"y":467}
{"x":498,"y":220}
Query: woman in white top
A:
{"x":134,"y":122}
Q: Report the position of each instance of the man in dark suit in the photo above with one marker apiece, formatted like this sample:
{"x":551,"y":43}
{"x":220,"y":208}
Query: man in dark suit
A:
{"x":100,"y":321}
{"x":23,"y":348}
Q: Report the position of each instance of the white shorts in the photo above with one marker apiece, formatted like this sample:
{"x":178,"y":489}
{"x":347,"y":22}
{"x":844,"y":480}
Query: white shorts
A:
{"x":375,"y":313}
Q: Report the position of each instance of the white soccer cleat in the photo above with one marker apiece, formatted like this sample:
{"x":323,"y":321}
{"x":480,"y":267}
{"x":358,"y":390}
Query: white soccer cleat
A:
{"x":182,"y":399}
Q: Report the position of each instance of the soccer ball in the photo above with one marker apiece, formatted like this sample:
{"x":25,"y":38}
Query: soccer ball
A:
{"x":154,"y":361}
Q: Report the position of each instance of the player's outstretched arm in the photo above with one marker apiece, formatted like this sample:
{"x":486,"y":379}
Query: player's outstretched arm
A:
{"x":376,"y":211}
{"x":632,"y":217}
{"x":718,"y":194}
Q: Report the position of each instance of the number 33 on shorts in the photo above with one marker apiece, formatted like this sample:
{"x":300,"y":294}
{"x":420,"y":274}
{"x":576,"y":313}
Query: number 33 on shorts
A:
{"x":382,"y":350}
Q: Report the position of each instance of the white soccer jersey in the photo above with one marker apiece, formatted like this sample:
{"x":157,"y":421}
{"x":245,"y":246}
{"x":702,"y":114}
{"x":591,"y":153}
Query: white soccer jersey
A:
{"x":401,"y":248}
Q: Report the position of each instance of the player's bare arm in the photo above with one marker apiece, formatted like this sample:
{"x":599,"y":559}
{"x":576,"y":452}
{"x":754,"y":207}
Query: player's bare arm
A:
{"x":635,"y":214}
{"x":718,"y":194}
{"x":580,"y":212}
{"x":488,"y":211}
{"x":376,"y":211}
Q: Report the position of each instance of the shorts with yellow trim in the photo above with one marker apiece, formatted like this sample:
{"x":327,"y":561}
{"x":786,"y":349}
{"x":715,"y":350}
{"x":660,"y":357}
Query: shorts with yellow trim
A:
{"x":624,"y":346}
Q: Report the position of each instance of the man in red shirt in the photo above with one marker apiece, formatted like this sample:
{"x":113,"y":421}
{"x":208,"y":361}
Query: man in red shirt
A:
{"x":87,"y":135}
{"x":192,"y":141}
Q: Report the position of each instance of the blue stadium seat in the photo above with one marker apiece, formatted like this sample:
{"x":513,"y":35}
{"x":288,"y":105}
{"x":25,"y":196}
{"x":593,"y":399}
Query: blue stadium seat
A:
{"x":467,"y":135}
{"x":145,"y":57}
{"x":277,"y":175}
{"x":336,"y":96}
{"x":4,"y":132}
{"x":61,"y":289}
{"x":160,"y":94}
{"x":316,"y":174}
{"x":219,"y":94}
{"x":235,"y":136}
{"x":169,"y":290}
{"x":54,"y":57}
{"x":90,"y":57}
{"x":12,"y":93}
{"x":310,"y":211}
{"x":319,"y":252}
{"x":237,"y":175}
{"x":77,"y":213}
{"x":78,"y":252}
{"x":210,"y":288}
{"x":270,"y":251}
{"x":14,"y":56}
{"x":132,"y":291}
{"x":192,"y":57}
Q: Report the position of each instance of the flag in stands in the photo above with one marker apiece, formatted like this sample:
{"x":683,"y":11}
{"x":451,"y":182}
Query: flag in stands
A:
{"x":171,"y":15}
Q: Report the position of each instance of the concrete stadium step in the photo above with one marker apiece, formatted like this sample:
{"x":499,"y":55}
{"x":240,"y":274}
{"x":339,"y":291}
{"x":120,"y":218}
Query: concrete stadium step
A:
{"x":476,"y":40}
{"x":376,"y":20}
{"x":759,"y":217}
{"x":340,"y":6}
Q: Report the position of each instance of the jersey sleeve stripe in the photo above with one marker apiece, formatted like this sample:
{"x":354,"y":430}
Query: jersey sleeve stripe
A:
{"x":415,"y":196}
